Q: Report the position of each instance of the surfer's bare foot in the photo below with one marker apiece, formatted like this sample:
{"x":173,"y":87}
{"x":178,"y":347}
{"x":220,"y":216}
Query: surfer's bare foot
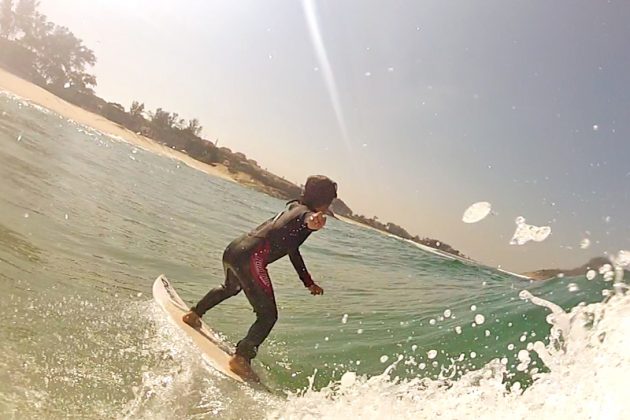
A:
{"x":242,"y":367}
{"x":192,"y":319}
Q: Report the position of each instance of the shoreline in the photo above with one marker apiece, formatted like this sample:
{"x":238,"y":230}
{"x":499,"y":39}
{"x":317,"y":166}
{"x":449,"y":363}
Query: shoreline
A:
{"x":30,"y":92}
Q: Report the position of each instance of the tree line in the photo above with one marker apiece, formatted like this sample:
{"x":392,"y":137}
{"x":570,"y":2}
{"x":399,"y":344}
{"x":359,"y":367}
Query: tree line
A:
{"x":52,"y":57}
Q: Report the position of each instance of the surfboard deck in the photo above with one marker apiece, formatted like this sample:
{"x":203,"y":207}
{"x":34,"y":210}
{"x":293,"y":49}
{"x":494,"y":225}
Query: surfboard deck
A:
{"x":216,"y":353}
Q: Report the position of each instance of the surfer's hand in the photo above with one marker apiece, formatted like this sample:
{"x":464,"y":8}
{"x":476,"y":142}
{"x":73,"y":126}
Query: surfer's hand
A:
{"x":315,"y":289}
{"x":316,"y":221}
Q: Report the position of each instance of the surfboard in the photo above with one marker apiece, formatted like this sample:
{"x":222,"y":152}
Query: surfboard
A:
{"x":214,"y":352}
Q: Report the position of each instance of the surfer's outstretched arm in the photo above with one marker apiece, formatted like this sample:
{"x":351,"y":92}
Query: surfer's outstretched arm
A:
{"x":300,"y":267}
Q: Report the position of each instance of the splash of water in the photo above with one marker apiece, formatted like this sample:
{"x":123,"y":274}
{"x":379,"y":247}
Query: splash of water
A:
{"x":525,"y":233}
{"x":588,"y":369}
{"x":477,"y":212}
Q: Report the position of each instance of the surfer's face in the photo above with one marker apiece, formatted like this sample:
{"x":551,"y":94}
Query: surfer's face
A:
{"x":323,"y":208}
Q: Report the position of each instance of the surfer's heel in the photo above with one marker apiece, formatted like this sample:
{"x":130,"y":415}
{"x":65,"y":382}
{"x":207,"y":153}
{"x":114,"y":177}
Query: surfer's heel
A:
{"x":243,"y":368}
{"x":191,"y":318}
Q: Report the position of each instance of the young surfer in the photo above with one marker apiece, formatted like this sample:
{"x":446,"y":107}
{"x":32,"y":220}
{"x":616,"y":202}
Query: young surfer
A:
{"x":245,"y":260}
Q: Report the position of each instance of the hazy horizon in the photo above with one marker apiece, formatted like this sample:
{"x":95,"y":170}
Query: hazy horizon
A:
{"x":417,"y":110}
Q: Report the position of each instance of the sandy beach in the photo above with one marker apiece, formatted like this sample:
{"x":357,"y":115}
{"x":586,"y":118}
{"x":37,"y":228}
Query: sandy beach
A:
{"x":39,"y":96}
{"x":35,"y":94}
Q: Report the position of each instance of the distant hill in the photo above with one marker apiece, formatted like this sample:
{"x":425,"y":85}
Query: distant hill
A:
{"x":52,"y":57}
{"x":593,"y":264}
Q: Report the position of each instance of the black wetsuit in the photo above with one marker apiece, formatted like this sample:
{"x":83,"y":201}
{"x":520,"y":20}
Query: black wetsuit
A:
{"x":245,"y":261}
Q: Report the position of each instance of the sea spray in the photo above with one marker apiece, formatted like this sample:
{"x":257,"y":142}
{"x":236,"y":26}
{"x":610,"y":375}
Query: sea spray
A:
{"x":588,"y":374}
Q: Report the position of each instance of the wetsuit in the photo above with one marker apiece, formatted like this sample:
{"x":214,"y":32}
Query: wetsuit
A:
{"x":245,"y":261}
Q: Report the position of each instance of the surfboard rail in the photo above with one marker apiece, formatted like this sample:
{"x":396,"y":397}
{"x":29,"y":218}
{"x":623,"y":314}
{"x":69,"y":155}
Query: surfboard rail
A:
{"x":214,"y":352}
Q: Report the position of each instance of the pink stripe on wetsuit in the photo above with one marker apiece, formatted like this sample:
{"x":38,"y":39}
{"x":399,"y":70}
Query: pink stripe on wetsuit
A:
{"x":245,"y":262}
{"x":258,"y":267}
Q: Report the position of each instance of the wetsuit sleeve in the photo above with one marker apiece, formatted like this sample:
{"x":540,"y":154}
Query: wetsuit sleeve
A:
{"x":300,"y":267}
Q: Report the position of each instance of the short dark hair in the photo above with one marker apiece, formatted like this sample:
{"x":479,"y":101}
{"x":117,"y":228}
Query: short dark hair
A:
{"x":319,"y":190}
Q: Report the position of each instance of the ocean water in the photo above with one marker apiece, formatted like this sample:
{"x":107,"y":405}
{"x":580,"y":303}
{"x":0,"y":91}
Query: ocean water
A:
{"x":87,"y":222}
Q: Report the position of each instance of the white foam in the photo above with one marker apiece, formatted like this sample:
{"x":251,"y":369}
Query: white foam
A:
{"x":589,"y":373}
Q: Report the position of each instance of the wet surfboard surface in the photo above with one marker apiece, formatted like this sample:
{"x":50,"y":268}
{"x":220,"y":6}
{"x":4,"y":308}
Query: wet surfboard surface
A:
{"x":216,"y":353}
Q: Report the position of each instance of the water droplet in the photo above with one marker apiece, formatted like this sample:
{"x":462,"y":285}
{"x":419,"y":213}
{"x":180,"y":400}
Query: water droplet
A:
{"x":479,"y":319}
{"x":431,"y":354}
{"x":360,"y":331}
{"x":605,"y":269}
{"x":473,"y":307}
{"x":477,"y":212}
{"x":447,"y":313}
{"x":344,"y":318}
{"x":525,"y":233}
{"x":348,"y":379}
{"x":384,"y":358}
{"x":523,"y":356}
{"x":458,"y":329}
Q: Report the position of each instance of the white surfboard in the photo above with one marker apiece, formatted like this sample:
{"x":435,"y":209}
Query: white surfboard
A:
{"x":214,"y":352}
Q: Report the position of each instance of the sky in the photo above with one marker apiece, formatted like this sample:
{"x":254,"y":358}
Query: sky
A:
{"x":418,"y":109}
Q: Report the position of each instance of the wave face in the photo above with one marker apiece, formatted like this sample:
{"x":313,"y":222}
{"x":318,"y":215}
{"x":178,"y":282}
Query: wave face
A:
{"x":87,"y":222}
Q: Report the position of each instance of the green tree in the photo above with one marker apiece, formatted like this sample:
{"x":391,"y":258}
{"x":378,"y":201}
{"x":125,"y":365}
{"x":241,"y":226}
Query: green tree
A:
{"x":173,"y":120}
{"x":60,"y":58}
{"x":194,"y":127}
{"x":137,"y":109}
{"x":26,"y":19}
{"x":161,"y":119}
{"x":7,"y":19}
{"x":63,"y":60}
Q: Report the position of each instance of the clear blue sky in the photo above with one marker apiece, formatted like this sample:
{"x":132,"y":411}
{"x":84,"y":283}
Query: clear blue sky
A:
{"x":429,"y":106}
